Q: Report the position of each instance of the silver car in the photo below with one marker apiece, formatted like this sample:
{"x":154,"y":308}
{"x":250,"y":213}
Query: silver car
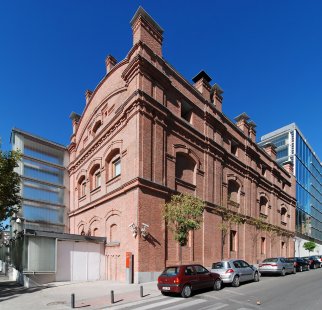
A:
{"x":235,"y":271}
{"x":277,"y":265}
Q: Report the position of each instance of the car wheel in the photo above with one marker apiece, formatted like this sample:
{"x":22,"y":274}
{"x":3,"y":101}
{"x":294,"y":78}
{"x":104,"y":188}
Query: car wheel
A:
{"x":283,"y":273}
{"x":294,"y":270}
{"x":301,"y":269}
{"x":235,"y":282}
{"x":256,"y":277}
{"x":217,"y":285}
{"x":186,"y":291}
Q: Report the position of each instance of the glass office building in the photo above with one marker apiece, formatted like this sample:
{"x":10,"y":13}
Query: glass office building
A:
{"x":291,"y":145}
{"x":44,"y":187}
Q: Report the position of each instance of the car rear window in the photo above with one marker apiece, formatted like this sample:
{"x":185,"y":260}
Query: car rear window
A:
{"x":268,"y":260}
{"x":220,"y":265}
{"x":171,"y":271}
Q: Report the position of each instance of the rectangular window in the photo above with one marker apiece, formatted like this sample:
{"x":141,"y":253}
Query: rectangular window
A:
{"x":186,"y":111}
{"x":233,"y":240}
{"x":83,"y":189}
{"x":234,"y":147}
{"x":97,"y":179}
{"x":117,"y":167}
{"x":263,"y":245}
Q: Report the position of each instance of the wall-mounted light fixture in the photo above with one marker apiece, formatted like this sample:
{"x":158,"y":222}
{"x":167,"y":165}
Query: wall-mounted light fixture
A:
{"x":144,"y":230}
{"x":134,"y":229}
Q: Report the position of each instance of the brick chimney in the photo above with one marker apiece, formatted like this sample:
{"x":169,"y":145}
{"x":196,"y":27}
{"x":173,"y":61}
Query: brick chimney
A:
{"x":252,"y":131}
{"x":201,"y":81}
{"x":216,"y":94}
{"x":288,"y":166}
{"x":110,"y":62}
{"x":146,"y":30}
{"x":270,"y":149}
{"x":75,"y":119}
{"x":88,"y":95}
{"x":242,"y":123}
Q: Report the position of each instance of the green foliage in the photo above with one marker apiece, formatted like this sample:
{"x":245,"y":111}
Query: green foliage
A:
{"x":309,"y":246}
{"x":10,"y":200}
{"x":182,"y":214}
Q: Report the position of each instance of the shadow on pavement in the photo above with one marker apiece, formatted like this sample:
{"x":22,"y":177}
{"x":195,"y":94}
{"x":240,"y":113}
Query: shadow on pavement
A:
{"x":11,"y":289}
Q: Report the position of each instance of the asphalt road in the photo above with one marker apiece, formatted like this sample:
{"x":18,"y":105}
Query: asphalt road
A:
{"x":302,"y":291}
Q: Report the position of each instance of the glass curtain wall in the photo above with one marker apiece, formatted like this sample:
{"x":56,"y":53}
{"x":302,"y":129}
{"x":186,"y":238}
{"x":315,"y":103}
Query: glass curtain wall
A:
{"x":308,"y":191}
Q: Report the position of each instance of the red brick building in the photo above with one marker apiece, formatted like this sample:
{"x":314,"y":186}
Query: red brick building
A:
{"x":147,"y":132}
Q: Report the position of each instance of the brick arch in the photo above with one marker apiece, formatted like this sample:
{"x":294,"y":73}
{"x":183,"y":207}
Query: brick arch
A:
{"x":181,"y":148}
{"x":97,"y":118}
{"x":113,"y":226}
{"x":81,"y":226}
{"x":114,"y":145}
{"x":82,"y":172}
{"x":234,"y":189}
{"x":94,"y":162}
{"x":95,"y":226}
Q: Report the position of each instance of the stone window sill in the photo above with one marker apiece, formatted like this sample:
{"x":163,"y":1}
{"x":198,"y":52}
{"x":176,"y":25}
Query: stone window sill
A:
{"x":95,"y":190}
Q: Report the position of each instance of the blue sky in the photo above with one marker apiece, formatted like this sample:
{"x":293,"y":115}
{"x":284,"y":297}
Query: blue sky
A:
{"x":266,"y":55}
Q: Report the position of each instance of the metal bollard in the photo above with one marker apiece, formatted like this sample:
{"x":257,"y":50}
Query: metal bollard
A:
{"x":112,"y":297}
{"x":141,"y":291}
{"x":72,"y":301}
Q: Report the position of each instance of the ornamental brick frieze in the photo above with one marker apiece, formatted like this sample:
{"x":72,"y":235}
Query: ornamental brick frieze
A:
{"x":92,"y":148}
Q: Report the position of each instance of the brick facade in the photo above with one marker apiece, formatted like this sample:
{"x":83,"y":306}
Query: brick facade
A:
{"x":145,"y":133}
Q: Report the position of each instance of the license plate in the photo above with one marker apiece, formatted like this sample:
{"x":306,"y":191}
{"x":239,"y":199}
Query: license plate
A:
{"x":166,"y":288}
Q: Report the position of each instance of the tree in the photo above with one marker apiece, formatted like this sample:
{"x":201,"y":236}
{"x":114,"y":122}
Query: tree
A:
{"x":182,"y":214}
{"x":10,"y":199}
{"x":309,"y":246}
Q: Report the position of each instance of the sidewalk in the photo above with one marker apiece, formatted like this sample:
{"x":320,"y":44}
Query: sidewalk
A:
{"x":91,"y":295}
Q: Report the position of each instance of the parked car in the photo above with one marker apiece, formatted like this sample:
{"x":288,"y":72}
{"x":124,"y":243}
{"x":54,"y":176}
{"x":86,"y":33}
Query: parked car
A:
{"x":314,"y":262}
{"x":235,"y":271}
{"x":277,"y":265}
{"x":300,"y":263}
{"x":185,"y":279}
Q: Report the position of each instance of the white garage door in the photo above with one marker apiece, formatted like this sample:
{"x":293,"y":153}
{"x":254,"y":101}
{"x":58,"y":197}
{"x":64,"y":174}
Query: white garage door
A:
{"x":78,"y":261}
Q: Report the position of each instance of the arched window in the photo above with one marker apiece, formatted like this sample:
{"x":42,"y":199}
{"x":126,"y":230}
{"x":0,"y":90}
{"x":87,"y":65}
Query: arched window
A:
{"x":81,"y":230}
{"x":263,"y":205}
{"x":97,"y":125}
{"x":95,"y":232}
{"x":185,"y":168}
{"x":95,"y":175}
{"x":283,"y":215}
{"x":113,"y":233}
{"x":81,"y":186}
{"x":233,"y":192}
{"x":113,"y":164}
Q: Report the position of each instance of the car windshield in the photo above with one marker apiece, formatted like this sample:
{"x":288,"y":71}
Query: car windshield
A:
{"x":269,"y":260}
{"x":171,"y":271}
{"x":220,"y":265}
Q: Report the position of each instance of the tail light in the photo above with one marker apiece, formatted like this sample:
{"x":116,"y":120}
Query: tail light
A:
{"x":230,"y":271}
{"x":176,"y":280}
{"x":295,"y":264}
{"x":159,"y":281}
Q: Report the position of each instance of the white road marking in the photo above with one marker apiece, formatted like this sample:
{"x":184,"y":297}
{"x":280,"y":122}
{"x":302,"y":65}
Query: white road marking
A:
{"x":134,"y":303}
{"x":159,"y":304}
{"x":193,"y":302}
{"x":233,"y":292}
{"x":216,"y":306}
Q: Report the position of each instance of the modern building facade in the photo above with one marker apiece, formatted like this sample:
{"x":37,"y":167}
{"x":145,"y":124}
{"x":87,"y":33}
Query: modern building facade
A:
{"x":291,"y":145}
{"x":45,"y":184}
{"x":147,"y":133}
{"x":41,"y":248}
